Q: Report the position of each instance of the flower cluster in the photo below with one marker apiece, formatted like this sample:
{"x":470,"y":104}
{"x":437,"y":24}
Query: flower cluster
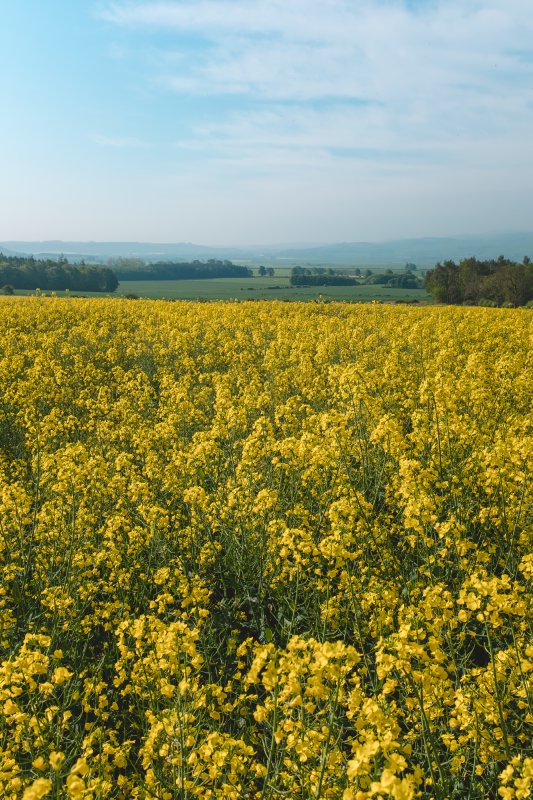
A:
{"x":265,"y":550}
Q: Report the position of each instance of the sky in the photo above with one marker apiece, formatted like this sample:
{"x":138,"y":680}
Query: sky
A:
{"x":265,"y":121}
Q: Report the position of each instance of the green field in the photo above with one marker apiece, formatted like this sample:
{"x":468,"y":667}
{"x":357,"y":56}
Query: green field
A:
{"x":256,"y":288}
{"x":276,"y":288}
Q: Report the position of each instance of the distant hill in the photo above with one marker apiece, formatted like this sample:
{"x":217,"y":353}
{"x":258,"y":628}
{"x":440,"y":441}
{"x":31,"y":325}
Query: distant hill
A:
{"x":424,"y":252}
{"x":101,"y":251}
{"x":7,"y":252}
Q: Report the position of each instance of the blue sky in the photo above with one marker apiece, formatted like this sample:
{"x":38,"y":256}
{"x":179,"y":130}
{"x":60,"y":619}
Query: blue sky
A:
{"x":265,"y":121}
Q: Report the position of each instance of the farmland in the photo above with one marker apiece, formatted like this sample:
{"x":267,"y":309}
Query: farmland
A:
{"x":277,"y":288}
{"x":264,"y":550}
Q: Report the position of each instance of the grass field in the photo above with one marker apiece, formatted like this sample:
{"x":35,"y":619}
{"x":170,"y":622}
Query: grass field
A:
{"x":262,"y":551}
{"x":256,"y":288}
{"x":276,"y":288}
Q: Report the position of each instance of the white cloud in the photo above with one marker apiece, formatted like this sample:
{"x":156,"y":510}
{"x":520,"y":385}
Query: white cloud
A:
{"x":407,"y":100}
{"x":441,"y":58}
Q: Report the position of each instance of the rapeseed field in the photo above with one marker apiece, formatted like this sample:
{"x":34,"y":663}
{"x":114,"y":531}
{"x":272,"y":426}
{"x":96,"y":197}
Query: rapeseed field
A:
{"x":264,"y":550}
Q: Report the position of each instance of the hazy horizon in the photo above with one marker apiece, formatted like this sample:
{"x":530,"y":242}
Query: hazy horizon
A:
{"x":247,"y":123}
{"x":279,"y":244}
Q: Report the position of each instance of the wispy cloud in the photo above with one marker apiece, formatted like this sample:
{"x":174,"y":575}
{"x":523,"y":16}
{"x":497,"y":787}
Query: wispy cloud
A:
{"x":221,"y":120}
{"x":420,"y":60}
{"x":343,"y":92}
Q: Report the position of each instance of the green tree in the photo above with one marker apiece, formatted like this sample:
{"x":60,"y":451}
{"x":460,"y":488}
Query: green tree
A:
{"x":472,"y":281}
{"x":443,"y":283}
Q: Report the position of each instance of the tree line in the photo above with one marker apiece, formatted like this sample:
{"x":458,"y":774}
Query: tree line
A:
{"x":495,"y":282}
{"x":402,"y":280}
{"x":319,"y":276}
{"x":27,"y":272}
{"x":136,"y":270}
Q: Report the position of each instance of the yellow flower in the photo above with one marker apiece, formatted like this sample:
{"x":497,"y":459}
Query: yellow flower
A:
{"x":75,"y":787}
{"x":60,"y":675}
{"x":39,"y":788}
{"x":56,"y":760}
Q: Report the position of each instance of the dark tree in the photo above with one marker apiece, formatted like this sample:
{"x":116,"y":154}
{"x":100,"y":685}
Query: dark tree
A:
{"x":173,"y":271}
{"x":49,"y":275}
{"x":495,"y":281}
